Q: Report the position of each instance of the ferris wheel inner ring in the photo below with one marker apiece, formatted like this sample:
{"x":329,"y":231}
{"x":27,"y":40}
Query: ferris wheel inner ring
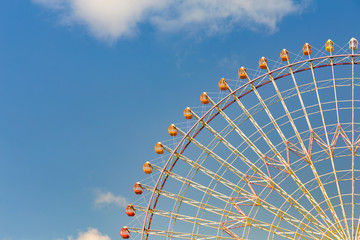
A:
{"x":172,"y":161}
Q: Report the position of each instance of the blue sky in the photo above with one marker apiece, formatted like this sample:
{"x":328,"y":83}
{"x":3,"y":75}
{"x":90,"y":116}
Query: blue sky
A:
{"x":86,"y":90}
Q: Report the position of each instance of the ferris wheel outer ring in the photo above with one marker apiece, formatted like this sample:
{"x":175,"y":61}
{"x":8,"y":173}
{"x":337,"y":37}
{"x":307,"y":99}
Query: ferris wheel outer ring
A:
{"x":216,"y":105}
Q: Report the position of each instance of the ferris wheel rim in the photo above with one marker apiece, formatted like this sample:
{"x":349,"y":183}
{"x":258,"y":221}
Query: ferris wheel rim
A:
{"x":216,"y":105}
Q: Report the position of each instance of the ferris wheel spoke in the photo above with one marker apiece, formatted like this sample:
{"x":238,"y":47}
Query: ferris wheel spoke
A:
{"x":208,"y":172}
{"x":335,"y":92}
{"x":328,"y":209}
{"x":292,"y":173}
{"x":262,"y":203}
{"x":237,"y":129}
{"x":248,"y":221}
{"x":272,"y":119}
{"x":251,"y":144}
{"x":291,"y":220}
{"x":265,"y":177}
{"x":334,"y":214}
{"x":302,"y":187}
{"x":181,"y":217}
{"x":224,"y":163}
{"x":217,"y":135}
{"x":279,"y":231}
{"x":300,"y":139}
{"x":357,"y":232}
{"x":299,"y":96}
{"x":332,"y":157}
{"x":199,"y":186}
{"x":181,"y":235}
{"x":352,"y":145}
{"x":258,"y":128}
{"x":327,"y":183}
{"x":286,"y":110}
{"x":247,"y":195}
{"x":307,"y":119}
{"x":194,"y":203}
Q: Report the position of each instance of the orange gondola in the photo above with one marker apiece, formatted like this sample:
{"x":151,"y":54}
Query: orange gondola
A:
{"x":138,"y":188}
{"x":172,"y":130}
{"x":130,"y":211}
{"x":306,"y":49}
{"x":263,"y":63}
{"x":242,"y":73}
{"x":147,"y":168}
{"x":204,"y":98}
{"x":159,"y":148}
{"x":284,"y":55}
{"x":124,"y":233}
{"x":222,"y":84}
{"x":188,"y":113}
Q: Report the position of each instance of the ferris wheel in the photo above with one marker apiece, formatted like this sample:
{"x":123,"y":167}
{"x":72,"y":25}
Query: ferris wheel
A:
{"x":273,"y":155}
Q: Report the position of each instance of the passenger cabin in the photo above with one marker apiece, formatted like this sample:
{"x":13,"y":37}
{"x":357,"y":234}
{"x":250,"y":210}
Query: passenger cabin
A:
{"x":329,"y":45}
{"x":223,"y":85}
{"x":263,"y":63}
{"x":242,"y":73}
{"x":284,"y":55}
{"x":147,"y":168}
{"x":138,"y":188}
{"x":307,"y":49}
{"x":172,"y":130}
{"x":353,"y":44}
{"x":159,"y":148}
{"x":130,"y":211}
{"x":204,"y":98}
{"x":188,"y":113}
{"x":124,"y":233}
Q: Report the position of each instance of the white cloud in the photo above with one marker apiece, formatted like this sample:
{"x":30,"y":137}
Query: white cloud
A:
{"x":112,"y":19}
{"x":107,"y":198}
{"x":91,"y":234}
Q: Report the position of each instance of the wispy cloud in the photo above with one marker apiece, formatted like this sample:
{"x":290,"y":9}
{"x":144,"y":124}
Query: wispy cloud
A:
{"x":91,"y":234}
{"x":112,"y":19}
{"x":55,"y":4}
{"x":108,"y":198}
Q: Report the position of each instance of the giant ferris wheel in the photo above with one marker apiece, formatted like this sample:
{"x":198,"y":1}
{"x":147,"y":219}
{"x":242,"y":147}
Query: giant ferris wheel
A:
{"x":273,"y":155}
